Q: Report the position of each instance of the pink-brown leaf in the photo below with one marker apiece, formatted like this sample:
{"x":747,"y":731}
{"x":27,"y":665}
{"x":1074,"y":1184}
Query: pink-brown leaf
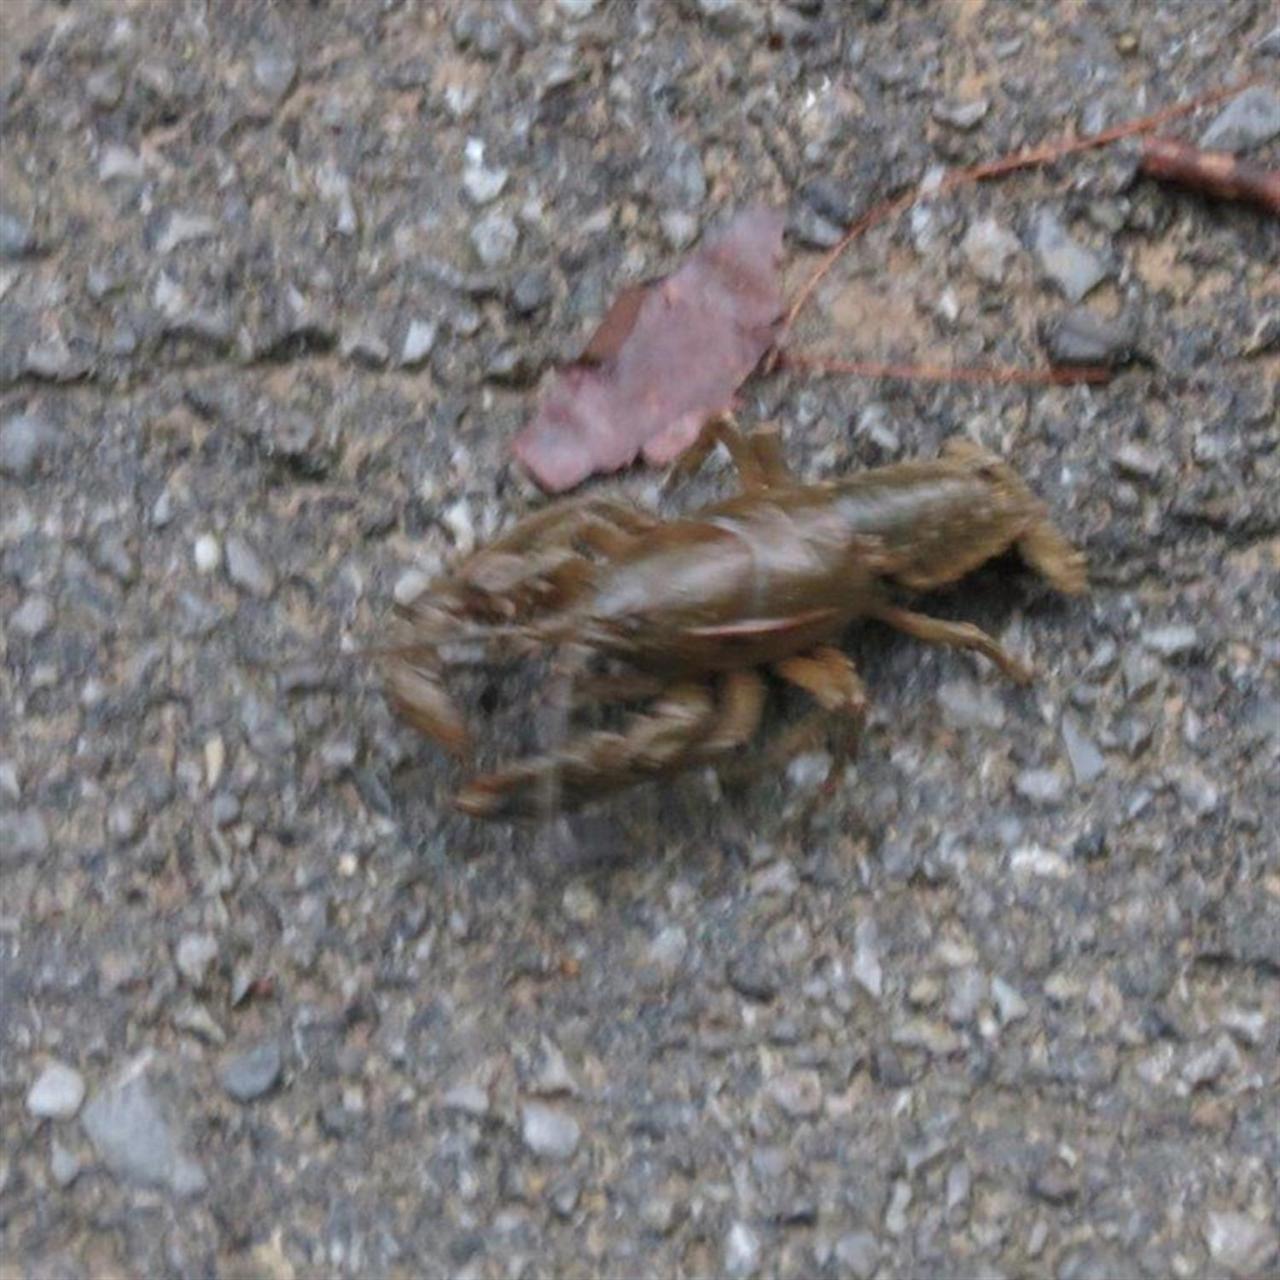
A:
{"x":667,"y":357}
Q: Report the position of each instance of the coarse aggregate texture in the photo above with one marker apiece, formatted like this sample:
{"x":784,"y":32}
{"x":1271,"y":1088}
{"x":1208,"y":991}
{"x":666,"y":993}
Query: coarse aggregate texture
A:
{"x":277,"y":282}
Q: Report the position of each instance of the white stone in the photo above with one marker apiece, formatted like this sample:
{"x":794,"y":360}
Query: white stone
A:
{"x":208,"y":553}
{"x":57,"y":1093}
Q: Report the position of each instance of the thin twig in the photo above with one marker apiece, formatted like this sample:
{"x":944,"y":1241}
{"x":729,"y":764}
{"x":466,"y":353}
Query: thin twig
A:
{"x":1215,"y":173}
{"x":1044,"y":154}
{"x":995,"y":375}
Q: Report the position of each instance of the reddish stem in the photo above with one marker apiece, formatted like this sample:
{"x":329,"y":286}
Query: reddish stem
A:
{"x":998,"y":375}
{"x":1216,"y":173}
{"x":1044,"y":154}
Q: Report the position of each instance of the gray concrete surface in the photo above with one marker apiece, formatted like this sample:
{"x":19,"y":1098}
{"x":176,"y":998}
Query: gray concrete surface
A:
{"x":276,"y":282}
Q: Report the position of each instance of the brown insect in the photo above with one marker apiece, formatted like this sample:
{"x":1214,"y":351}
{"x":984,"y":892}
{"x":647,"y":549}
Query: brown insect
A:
{"x":693,"y":608}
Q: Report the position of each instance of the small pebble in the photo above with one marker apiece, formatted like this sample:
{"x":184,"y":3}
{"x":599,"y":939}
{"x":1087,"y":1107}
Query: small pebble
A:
{"x":410,"y":585}
{"x":57,"y":1092}
{"x":810,"y":228}
{"x":32,"y":617}
{"x":134,"y":1139}
{"x":798,"y":1093}
{"x":112,"y":556}
{"x":104,"y":87}
{"x":867,"y":970}
{"x":419,"y":338}
{"x":1212,"y":1063}
{"x":549,"y":1074}
{"x":1075,"y":269}
{"x":1176,"y":641}
{"x":23,"y":835}
{"x":1082,"y":336}
{"x":924,"y":1033}
{"x":667,"y":950}
{"x":1199,"y":793}
{"x":1040,"y":786}
{"x":17,"y":237}
{"x":494,"y":238}
{"x":968,"y":705}
{"x":532,"y":292}
{"x":274,"y":71}
{"x":215,"y":758}
{"x":966,"y":990}
{"x":959,"y":1185}
{"x":482,"y":184}
{"x":251,"y":1073}
{"x":1057,"y":1183}
{"x":751,"y":975}
{"x":124,"y":822}
{"x":858,"y":1252}
{"x":730,"y":16}
{"x":988,"y":248}
{"x":895,"y":1214}
{"x":961,"y":115}
{"x":833,"y":201}
{"x":679,"y":229}
{"x":1010,"y":1006}
{"x":26,"y":442}
{"x":548,"y":1131}
{"x":1249,"y":120}
{"x":1243,"y":1245}
{"x":658,"y":1213}
{"x":208,"y":553}
{"x":580,"y":903}
{"x":1087,"y":762}
{"x":337,"y":756}
{"x":224,"y":810}
{"x":470,"y":1099}
{"x":1137,"y":461}
{"x":116,"y":161}
{"x":364,"y":346}
{"x":195,"y":955}
{"x":741,"y":1252}
{"x":565,"y":1194}
{"x":1140,"y":672}
{"x":1034,"y":860}
{"x":64,"y":1164}
{"x":183,"y":228}
{"x":876,"y":423}
{"x":682,"y":181}
{"x":245,"y":568}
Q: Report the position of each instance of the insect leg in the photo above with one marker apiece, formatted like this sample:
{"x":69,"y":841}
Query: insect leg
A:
{"x":597,"y":763}
{"x":767,"y":444}
{"x":624,"y":686}
{"x":417,"y":693}
{"x":757,"y":456}
{"x":1040,"y":544}
{"x":831,"y":678}
{"x":742,"y":695}
{"x":961,"y":635}
{"x":1053,"y":557}
{"x":559,"y":523}
{"x":544,"y":542}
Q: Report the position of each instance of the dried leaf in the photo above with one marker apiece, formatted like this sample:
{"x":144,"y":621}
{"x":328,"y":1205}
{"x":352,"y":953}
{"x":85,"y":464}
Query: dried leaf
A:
{"x":666,"y":357}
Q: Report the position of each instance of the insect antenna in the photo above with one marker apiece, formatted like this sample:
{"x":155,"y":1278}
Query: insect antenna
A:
{"x":568,"y":665}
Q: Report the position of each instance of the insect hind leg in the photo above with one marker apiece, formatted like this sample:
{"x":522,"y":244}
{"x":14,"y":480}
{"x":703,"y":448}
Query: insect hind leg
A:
{"x":960,"y":635}
{"x":1039,"y":542}
{"x":1046,"y":551}
{"x":757,"y":455}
